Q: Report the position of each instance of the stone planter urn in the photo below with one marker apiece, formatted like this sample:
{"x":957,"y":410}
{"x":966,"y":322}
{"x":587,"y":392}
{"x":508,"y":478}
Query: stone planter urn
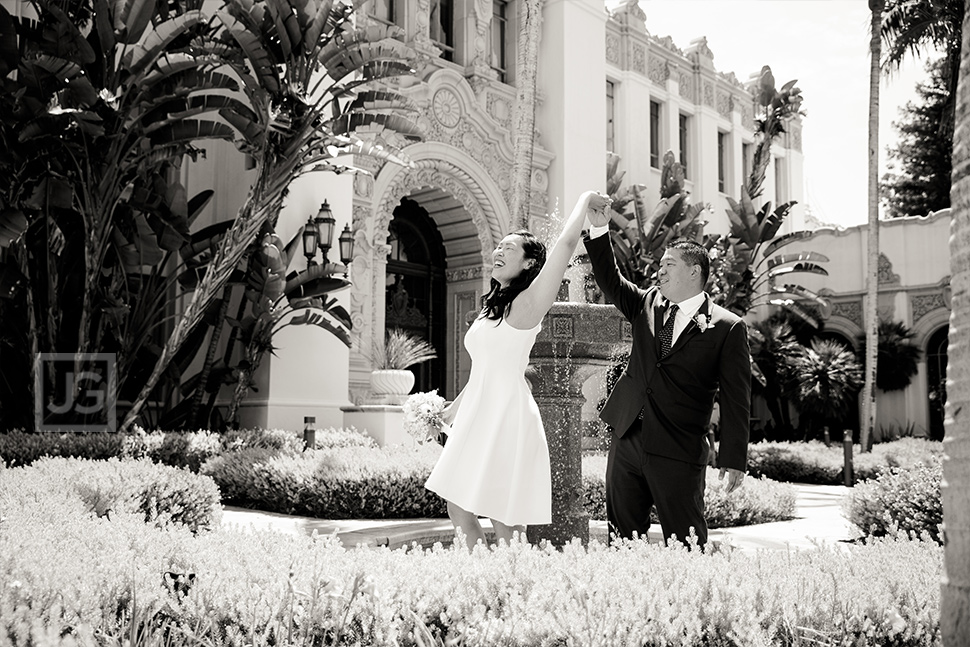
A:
{"x":391,"y":386}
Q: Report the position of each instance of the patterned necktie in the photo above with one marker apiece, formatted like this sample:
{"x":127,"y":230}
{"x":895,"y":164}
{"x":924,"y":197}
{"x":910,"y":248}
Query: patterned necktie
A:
{"x":667,"y":332}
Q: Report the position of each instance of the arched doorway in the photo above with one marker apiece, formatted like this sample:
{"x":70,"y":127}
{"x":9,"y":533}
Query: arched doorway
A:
{"x":415,"y":287}
{"x":936,"y":358}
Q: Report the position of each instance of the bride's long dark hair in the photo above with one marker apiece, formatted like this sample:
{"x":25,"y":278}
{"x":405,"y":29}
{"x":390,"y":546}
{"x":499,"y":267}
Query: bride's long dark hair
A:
{"x":497,"y":303}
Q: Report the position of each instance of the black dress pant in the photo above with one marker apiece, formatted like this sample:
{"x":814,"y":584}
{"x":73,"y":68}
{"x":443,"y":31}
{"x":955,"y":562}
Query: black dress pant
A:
{"x":637,"y":480}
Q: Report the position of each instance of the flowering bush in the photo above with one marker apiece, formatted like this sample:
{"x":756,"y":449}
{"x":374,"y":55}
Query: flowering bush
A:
{"x":908,"y":500}
{"x":155,"y":493}
{"x":70,"y":577}
{"x":422,"y":415}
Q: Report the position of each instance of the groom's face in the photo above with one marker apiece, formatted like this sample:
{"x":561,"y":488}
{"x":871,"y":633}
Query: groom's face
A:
{"x":677,"y":279}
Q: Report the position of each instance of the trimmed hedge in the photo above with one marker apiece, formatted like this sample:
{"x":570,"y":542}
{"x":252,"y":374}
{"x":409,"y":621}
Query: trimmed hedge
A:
{"x":388,"y":483}
{"x":813,"y":462}
{"x":187,"y":449}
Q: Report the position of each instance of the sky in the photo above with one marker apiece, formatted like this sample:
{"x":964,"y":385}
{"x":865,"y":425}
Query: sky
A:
{"x":824,"y":44}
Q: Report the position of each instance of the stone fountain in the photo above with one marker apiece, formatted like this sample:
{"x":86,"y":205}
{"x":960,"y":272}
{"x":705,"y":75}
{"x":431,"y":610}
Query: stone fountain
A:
{"x":577,"y":341}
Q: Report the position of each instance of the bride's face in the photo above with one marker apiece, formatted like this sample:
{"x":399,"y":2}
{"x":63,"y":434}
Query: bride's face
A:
{"x":508,"y":260}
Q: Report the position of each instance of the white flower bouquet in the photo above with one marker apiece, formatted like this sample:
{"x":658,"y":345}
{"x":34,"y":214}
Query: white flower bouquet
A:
{"x":422,"y":415}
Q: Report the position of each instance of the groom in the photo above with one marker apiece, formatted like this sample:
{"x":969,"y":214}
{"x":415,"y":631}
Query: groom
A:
{"x":685,"y":350}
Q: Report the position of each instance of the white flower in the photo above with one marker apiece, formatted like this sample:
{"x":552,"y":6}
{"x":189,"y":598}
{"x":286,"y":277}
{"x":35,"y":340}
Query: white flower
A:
{"x":422,"y":415}
{"x":703,"y":321}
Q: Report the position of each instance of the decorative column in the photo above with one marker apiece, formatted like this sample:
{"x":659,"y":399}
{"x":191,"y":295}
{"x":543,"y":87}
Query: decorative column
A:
{"x":577,"y":341}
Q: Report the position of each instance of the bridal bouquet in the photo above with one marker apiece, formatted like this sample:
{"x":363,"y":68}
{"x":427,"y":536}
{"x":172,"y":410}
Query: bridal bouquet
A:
{"x":422,"y":415}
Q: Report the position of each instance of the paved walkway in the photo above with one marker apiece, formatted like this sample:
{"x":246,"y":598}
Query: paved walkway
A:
{"x":818,"y":521}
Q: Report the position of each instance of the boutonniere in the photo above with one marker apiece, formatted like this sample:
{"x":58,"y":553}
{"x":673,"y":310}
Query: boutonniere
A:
{"x":703,"y":321}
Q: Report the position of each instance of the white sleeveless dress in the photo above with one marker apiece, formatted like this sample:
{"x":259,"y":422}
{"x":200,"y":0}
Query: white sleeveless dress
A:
{"x":496,"y":461}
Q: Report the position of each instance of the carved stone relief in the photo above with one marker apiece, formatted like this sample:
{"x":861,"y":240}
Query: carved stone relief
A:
{"x":613,"y":49}
{"x":498,"y":108}
{"x":725,"y":104}
{"x":657,"y":70}
{"x":363,"y":185}
{"x":747,"y":115}
{"x":851,"y":310}
{"x":708,"y":94}
{"x":464,"y":274}
{"x":686,"y":86}
{"x":886,"y":275}
{"x":795,"y":133}
{"x":639,"y":59}
{"x":923,"y":304}
{"x":446,"y":107}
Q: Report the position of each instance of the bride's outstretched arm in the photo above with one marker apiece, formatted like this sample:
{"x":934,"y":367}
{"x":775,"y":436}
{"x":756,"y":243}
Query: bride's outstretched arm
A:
{"x":532,"y":305}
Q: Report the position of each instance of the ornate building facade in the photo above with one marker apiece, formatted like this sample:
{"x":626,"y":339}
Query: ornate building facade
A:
{"x":424,"y":232}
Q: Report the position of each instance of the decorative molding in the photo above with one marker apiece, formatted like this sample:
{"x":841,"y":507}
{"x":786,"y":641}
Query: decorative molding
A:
{"x":747,"y":114}
{"x":708,"y":94}
{"x":499,"y":109}
{"x":667,"y":43}
{"x":461,"y":274}
{"x":851,"y":310}
{"x":613,"y":49}
{"x":725,"y":103}
{"x":795,"y":134}
{"x":686,"y":86}
{"x":449,"y":178}
{"x":700,"y":47}
{"x":446,"y":107}
{"x":638,"y":57}
{"x":886,"y":275}
{"x":657,"y":70}
{"x":363,"y":185}
{"x":923,"y":304}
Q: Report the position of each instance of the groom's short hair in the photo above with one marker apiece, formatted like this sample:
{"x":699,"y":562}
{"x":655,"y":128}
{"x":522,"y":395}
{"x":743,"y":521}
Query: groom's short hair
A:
{"x":693,"y":254}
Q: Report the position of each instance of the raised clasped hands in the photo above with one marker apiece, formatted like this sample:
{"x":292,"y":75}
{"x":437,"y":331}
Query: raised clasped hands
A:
{"x":597,"y":205}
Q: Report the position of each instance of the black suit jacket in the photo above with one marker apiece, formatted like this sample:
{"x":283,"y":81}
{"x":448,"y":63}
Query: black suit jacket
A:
{"x":677,"y":392}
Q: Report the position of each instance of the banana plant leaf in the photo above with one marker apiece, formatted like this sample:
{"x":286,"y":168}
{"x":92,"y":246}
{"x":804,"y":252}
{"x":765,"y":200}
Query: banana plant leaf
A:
{"x":318,"y":318}
{"x":137,"y":15}
{"x":9,"y":54}
{"x":261,"y":63}
{"x":62,"y":38}
{"x":786,"y":239}
{"x":805,"y":268}
{"x":13,"y":224}
{"x":786,"y":259}
{"x":375,"y":123}
{"x":152,"y":43}
{"x":51,"y":192}
{"x":189,"y":131}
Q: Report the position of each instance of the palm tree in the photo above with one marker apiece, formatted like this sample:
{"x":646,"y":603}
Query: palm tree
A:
{"x":773,"y":345}
{"x":898,"y":358}
{"x":920,"y":27}
{"x":955,"y":598}
{"x":827,"y":377}
{"x":872,"y":237}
